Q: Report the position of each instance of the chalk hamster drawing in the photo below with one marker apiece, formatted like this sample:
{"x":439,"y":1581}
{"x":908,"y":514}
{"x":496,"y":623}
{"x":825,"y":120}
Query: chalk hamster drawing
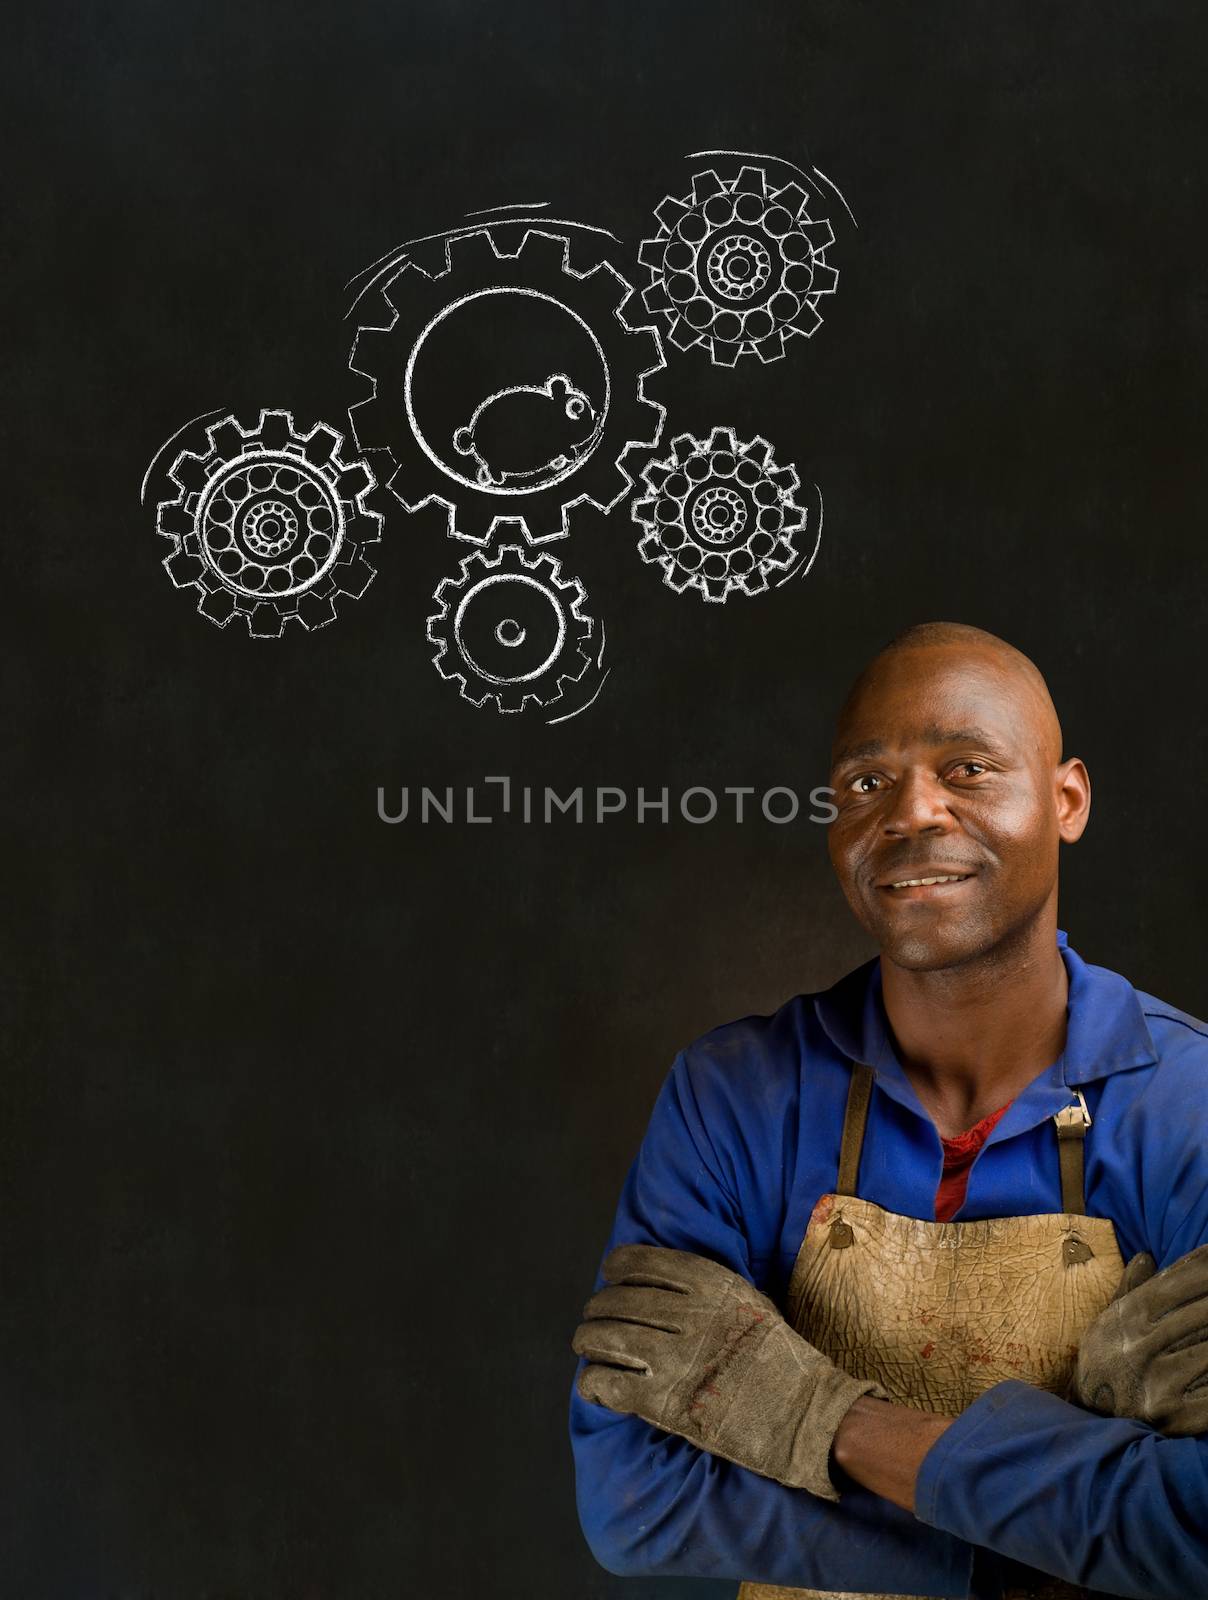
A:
{"x":527,"y":432}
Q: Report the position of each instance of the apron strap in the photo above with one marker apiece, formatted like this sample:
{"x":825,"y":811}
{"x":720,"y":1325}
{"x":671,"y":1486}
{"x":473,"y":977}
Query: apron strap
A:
{"x":1071,"y":1125}
{"x":859,"y":1092}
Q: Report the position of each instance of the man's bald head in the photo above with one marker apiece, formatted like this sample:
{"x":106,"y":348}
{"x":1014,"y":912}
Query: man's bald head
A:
{"x":1020,"y":677}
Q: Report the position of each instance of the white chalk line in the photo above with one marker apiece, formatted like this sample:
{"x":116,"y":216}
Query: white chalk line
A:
{"x":515,"y":205}
{"x":142,"y":493}
{"x":586,"y":704}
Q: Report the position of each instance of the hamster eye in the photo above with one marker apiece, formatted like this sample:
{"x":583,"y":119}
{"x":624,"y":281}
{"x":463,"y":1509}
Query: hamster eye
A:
{"x":574,"y":408}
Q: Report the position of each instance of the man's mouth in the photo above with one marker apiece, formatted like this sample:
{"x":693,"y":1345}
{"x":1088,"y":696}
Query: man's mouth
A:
{"x":919,"y":883}
{"x":924,"y":884}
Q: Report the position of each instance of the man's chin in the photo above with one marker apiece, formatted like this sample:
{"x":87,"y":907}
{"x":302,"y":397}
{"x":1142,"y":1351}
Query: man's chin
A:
{"x":932,"y":944}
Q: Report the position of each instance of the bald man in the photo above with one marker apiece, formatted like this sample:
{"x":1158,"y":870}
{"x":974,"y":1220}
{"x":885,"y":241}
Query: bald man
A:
{"x":864,"y":1324}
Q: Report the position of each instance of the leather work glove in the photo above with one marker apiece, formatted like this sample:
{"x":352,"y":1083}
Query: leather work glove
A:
{"x":695,"y":1350}
{"x":1145,"y":1356}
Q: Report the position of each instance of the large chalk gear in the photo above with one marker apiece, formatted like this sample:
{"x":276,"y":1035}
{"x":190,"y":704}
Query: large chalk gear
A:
{"x":527,"y":258}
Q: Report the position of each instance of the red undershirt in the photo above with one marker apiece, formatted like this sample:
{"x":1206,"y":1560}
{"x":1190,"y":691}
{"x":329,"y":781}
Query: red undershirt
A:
{"x":959,"y":1154}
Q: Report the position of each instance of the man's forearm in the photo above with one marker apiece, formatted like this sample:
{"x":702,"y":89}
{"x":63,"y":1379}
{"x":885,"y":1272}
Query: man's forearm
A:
{"x":882,"y":1447}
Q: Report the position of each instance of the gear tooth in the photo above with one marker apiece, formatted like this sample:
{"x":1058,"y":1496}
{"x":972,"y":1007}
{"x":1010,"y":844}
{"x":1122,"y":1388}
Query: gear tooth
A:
{"x":172,"y":520}
{"x":316,"y":611}
{"x":669,"y":211}
{"x":430,"y":259}
{"x":750,"y":180}
{"x":825,"y":279}
{"x":676,"y":578}
{"x":723,"y":439}
{"x":579,"y":663}
{"x":819,"y":233}
{"x":726,"y":352}
{"x":370,"y":354}
{"x":217,"y":606}
{"x":274,"y":430}
{"x":445,"y":665}
{"x":651,"y":253}
{"x":683,"y":446}
{"x":548,"y":252}
{"x":474,"y":522}
{"x":190,"y":472}
{"x":792,"y":197}
{"x":656,"y":299}
{"x":755,"y":581}
{"x":714,"y":588}
{"x":613,"y":286}
{"x":651,"y":549}
{"x":771,"y":348}
{"x":510,"y":698}
{"x":184,"y":569}
{"x":375,"y":502}
{"x":681,"y":335}
{"x":266,"y":621}
{"x":759,"y":451}
{"x":364,"y":527}
{"x":655,"y":361}
{"x":227,"y":438}
{"x":632,"y":316}
{"x":705,"y":185}
{"x":353,"y":577}
{"x":642,"y":512}
{"x":782,"y":554}
{"x":473,"y":253}
{"x":321,"y":445}
{"x":785,"y":479}
{"x":604,"y":291}
{"x":361,"y":415}
{"x":353,"y":479}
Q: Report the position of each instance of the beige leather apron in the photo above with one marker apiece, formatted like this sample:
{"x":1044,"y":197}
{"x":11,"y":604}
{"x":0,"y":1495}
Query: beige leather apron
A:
{"x":938,"y":1312}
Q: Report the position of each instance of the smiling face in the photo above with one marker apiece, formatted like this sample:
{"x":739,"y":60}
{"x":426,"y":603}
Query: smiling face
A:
{"x":952,"y":799}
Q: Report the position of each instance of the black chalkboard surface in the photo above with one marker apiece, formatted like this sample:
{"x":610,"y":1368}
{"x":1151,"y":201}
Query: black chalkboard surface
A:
{"x":314,"y":1122}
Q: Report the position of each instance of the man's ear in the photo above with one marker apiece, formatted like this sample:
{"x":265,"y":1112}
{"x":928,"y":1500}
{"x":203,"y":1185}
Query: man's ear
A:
{"x":1073,"y":794}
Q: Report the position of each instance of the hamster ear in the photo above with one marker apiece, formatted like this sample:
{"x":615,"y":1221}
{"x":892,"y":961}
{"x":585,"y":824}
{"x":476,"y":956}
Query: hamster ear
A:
{"x":559,"y":386}
{"x":463,"y":441}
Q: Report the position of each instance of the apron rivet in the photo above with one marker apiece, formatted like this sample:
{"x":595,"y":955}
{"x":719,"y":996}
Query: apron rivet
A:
{"x":841,"y":1235}
{"x":1075,"y":1249}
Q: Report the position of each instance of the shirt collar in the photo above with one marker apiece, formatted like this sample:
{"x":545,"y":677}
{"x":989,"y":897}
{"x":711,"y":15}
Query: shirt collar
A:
{"x":1106,"y":1033}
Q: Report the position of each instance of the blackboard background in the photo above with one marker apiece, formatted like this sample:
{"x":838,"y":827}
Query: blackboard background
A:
{"x":312,"y":1127}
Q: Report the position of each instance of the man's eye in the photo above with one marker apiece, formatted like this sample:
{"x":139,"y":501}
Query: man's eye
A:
{"x":866,"y":783}
{"x":969,"y":769}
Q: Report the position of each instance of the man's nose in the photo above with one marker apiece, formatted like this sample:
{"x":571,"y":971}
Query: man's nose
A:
{"x":919,"y":806}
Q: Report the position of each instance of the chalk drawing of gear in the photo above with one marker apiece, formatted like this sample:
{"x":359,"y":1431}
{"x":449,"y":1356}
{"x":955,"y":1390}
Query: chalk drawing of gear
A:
{"x":270,"y":524}
{"x":519,"y":452}
{"x":738,"y":265}
{"x":721,"y":516}
{"x":511,"y":629}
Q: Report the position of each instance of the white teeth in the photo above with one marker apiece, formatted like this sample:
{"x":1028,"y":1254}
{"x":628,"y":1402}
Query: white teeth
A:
{"x":916,"y":883}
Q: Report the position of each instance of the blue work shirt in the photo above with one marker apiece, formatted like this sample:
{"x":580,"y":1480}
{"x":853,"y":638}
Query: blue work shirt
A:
{"x":743,"y":1140}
